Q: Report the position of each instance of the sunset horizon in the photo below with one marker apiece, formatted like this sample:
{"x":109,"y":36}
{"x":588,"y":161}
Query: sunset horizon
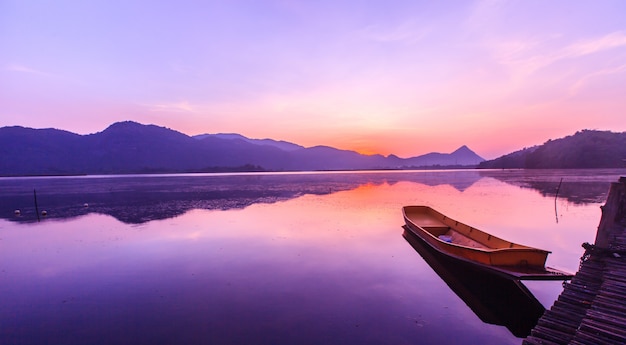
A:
{"x":406,"y":78}
{"x":355,"y":149}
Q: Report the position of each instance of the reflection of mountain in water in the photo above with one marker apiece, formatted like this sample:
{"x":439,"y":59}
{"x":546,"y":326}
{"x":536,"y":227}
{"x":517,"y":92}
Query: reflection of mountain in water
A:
{"x":494,"y":299}
{"x":459,"y":179}
{"x":138,"y":199}
{"x":578,"y":186}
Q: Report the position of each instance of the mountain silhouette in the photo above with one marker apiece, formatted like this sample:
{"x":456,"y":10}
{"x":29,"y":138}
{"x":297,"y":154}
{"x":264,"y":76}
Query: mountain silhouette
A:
{"x":583,"y":150}
{"x":132,"y":148}
{"x":283,"y":145}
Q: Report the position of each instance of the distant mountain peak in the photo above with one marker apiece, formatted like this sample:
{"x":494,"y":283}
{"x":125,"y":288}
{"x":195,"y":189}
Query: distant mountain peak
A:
{"x":136,"y":127}
{"x":231,"y":136}
{"x":124,"y":124}
{"x":467,"y":154}
{"x":463,"y":150}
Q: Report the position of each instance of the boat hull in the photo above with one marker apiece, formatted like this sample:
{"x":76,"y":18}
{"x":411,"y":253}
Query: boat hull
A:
{"x":476,"y":245}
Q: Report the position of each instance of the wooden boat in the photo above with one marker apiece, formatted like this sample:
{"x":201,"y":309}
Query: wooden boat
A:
{"x":493,"y":298}
{"x":463,"y":242}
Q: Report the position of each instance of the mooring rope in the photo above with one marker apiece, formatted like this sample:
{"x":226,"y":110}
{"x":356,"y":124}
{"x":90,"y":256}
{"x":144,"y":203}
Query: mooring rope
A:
{"x":592,"y":249}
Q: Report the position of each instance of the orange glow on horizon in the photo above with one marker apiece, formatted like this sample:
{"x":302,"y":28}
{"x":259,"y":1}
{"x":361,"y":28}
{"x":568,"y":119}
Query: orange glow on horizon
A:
{"x":366,"y":151}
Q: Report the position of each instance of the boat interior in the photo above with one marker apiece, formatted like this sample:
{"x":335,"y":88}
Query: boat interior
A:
{"x":457,"y":233}
{"x":444,"y":232}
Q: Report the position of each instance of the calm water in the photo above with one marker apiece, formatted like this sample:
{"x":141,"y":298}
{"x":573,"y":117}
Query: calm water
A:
{"x":277,"y":259}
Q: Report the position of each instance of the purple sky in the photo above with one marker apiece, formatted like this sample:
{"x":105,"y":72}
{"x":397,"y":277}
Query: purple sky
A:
{"x":403,"y":77}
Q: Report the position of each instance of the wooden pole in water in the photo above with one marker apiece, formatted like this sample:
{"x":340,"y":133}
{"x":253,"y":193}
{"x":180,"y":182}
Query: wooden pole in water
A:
{"x":555,"y":198}
{"x":558,"y":189}
{"x":36,"y":207}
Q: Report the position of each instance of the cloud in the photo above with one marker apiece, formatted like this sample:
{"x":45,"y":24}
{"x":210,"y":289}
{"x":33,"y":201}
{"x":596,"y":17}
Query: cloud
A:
{"x":24,"y":69}
{"x":484,"y":12}
{"x":183,"y":106}
{"x":407,"y":33}
{"x":592,"y":46}
{"x":610,"y":41}
{"x":604,"y":72}
{"x":525,"y":57}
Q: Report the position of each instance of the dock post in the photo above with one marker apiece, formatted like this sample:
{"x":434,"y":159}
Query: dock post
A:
{"x":613,"y":218}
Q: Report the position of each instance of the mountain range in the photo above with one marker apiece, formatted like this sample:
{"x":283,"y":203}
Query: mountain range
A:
{"x":129,"y":148}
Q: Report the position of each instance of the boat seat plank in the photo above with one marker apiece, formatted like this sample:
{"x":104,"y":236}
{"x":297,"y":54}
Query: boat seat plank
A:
{"x":427,"y":221}
{"x":463,"y":240}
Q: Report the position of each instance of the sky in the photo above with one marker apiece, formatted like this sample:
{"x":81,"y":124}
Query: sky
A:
{"x":388,"y":77}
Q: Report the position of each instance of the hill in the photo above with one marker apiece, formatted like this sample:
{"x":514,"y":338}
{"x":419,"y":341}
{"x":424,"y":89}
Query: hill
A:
{"x":583,"y":150}
{"x":283,"y":145}
{"x":133,"y":148}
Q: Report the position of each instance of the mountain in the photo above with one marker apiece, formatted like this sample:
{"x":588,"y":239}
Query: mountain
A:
{"x":462,"y":156}
{"x":130,"y":148}
{"x":514,"y":160}
{"x":22,"y":148}
{"x":584,"y":149}
{"x":329,"y":158}
{"x":283,"y":145}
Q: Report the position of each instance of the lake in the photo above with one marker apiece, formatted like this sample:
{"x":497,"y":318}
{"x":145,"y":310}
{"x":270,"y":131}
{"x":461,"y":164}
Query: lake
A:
{"x":284,"y":258}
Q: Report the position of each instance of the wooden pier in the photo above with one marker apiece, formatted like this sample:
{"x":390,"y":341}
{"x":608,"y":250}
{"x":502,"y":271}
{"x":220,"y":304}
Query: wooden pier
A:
{"x":592,"y":307}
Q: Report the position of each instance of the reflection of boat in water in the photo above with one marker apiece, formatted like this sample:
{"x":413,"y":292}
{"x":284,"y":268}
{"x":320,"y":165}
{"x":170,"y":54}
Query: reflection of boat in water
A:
{"x":484,"y":250}
{"x":494,"y":299}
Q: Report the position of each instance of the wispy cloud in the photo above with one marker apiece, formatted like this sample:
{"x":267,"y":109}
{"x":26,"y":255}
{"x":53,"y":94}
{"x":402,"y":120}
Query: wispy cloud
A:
{"x":591,"y":46}
{"x":604,"y":72}
{"x":407,"y":33}
{"x":25,"y":69}
{"x":528,"y":56}
{"x":483,"y":12}
{"x":183,"y":106}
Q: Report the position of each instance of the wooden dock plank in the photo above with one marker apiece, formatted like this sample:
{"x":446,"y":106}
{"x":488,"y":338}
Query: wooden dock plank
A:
{"x":591,"y":310}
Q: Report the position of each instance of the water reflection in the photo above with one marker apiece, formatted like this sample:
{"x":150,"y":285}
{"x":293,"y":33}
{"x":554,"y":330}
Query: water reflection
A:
{"x":579,"y":186}
{"x":138,"y":199}
{"x":494,"y":299}
{"x":314,"y":258}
